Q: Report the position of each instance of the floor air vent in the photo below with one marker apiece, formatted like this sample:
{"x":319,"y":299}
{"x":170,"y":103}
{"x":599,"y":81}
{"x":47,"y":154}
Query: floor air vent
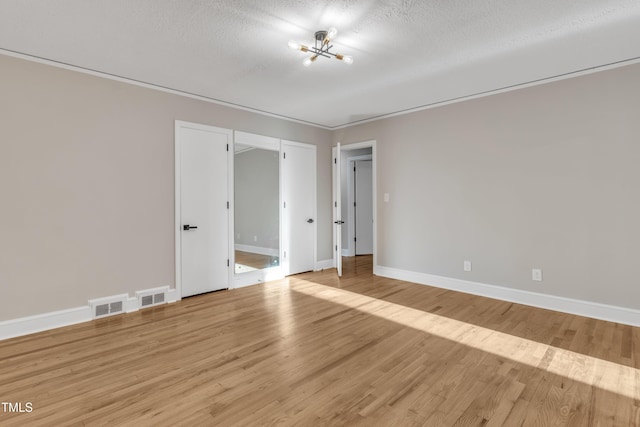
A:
{"x":151,"y":297}
{"x":103,"y":307}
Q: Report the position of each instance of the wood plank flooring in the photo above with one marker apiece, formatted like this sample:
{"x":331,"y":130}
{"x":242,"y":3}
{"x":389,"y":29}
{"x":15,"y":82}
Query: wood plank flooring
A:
{"x":312,"y":350}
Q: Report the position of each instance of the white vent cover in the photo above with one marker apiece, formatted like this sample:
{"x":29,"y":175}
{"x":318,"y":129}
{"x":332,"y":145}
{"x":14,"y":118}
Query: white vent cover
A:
{"x":151,"y":297}
{"x":108,"y":306}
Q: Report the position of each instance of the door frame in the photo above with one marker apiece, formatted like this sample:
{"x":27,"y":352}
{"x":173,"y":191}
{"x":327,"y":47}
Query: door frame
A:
{"x":374,"y":167}
{"x":285,"y":227}
{"x":179,"y":124}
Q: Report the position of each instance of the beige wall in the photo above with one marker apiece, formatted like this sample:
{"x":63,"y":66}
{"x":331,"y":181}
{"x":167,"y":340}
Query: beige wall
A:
{"x":540,"y":177}
{"x":87,"y":184}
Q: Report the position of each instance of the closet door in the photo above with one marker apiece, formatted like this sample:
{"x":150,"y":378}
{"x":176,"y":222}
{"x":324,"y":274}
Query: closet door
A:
{"x":299,"y":206}
{"x":202,"y":210}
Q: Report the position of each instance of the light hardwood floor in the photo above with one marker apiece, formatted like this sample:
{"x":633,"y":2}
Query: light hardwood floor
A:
{"x":314,"y":350}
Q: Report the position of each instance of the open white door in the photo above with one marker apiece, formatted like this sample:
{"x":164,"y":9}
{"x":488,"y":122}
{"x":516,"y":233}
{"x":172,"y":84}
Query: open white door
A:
{"x":337,"y":209}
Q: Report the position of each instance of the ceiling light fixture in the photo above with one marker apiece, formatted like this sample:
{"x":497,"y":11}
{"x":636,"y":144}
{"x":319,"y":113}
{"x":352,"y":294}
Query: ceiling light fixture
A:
{"x":321,"y":47}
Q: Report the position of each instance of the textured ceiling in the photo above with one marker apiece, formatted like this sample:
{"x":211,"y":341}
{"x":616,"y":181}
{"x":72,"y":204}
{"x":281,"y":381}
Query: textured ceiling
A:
{"x":407,"y":54}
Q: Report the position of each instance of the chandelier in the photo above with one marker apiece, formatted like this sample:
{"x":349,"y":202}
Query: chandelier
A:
{"x":322,"y":47}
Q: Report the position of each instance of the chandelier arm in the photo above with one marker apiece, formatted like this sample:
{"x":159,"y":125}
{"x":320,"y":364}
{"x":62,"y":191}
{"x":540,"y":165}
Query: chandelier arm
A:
{"x":321,"y":52}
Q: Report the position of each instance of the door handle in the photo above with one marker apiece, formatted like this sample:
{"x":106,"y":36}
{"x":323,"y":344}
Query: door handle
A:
{"x":188,"y":227}
{"x":338,"y":222}
{"x":310,"y":220}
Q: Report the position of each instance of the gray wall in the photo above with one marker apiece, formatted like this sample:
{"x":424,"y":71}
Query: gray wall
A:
{"x":540,"y":177}
{"x":87,"y":184}
{"x":257,"y":193}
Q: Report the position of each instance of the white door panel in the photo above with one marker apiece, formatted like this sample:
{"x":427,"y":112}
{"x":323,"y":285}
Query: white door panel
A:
{"x":337,"y":205}
{"x":203,"y":204}
{"x":299,"y":206}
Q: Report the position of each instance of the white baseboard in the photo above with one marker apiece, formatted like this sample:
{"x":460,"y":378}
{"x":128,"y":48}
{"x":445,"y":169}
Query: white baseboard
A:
{"x":324,"y":264}
{"x":624,"y":315}
{"x":257,"y":250}
{"x":56,"y":319}
{"x":345,"y":252}
{"x":42,"y":322}
{"x":173,"y":296}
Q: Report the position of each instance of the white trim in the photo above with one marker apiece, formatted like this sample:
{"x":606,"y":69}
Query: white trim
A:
{"x":257,"y":141}
{"x":490,"y":92}
{"x":611,"y":313}
{"x":346,"y":252}
{"x":131,"y":305}
{"x":156,"y":87}
{"x":173,"y":296}
{"x":43,"y":322}
{"x":257,"y":250}
{"x":374,"y":165}
{"x":56,"y":319}
{"x":325,"y":264}
{"x":178,"y":209}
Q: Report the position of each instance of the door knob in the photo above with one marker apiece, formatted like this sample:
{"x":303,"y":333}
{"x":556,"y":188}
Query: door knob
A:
{"x":310,"y":221}
{"x":188,"y":227}
{"x":338,"y":222}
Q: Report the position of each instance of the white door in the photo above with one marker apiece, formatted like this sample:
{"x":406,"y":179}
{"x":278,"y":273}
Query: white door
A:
{"x":337,"y":209}
{"x":203,"y":214}
{"x":299,"y":206}
{"x":363,"y":207}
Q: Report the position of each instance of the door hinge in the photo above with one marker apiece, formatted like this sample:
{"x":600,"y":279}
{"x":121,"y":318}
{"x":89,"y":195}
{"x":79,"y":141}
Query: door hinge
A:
{"x":335,"y":160}
{"x":354,"y":168}
{"x":227,"y":263}
{"x":354,"y":204}
{"x":284,"y":155}
{"x":227,"y":147}
{"x":336,"y":248}
{"x":335,"y":204}
{"x":285,"y":205}
{"x":227,"y":205}
{"x":355,"y":239}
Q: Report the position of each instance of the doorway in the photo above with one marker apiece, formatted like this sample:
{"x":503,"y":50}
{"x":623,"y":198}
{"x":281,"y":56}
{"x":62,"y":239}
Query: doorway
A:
{"x":354,"y":192}
{"x":362,"y":195}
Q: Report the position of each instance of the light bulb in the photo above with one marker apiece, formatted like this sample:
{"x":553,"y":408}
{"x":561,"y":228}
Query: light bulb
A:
{"x":345,"y":58}
{"x":294,"y":45}
{"x":332,"y":33}
{"x":309,"y":60}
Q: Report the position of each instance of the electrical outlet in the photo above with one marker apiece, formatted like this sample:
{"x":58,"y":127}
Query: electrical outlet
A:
{"x":467,"y":266}
{"x":255,"y":238}
{"x":536,"y":274}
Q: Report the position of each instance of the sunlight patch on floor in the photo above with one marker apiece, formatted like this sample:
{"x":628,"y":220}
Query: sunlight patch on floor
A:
{"x":610,"y":376}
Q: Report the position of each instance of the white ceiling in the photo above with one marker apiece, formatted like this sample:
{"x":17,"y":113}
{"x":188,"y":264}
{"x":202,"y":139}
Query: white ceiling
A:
{"x":407,"y":53}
